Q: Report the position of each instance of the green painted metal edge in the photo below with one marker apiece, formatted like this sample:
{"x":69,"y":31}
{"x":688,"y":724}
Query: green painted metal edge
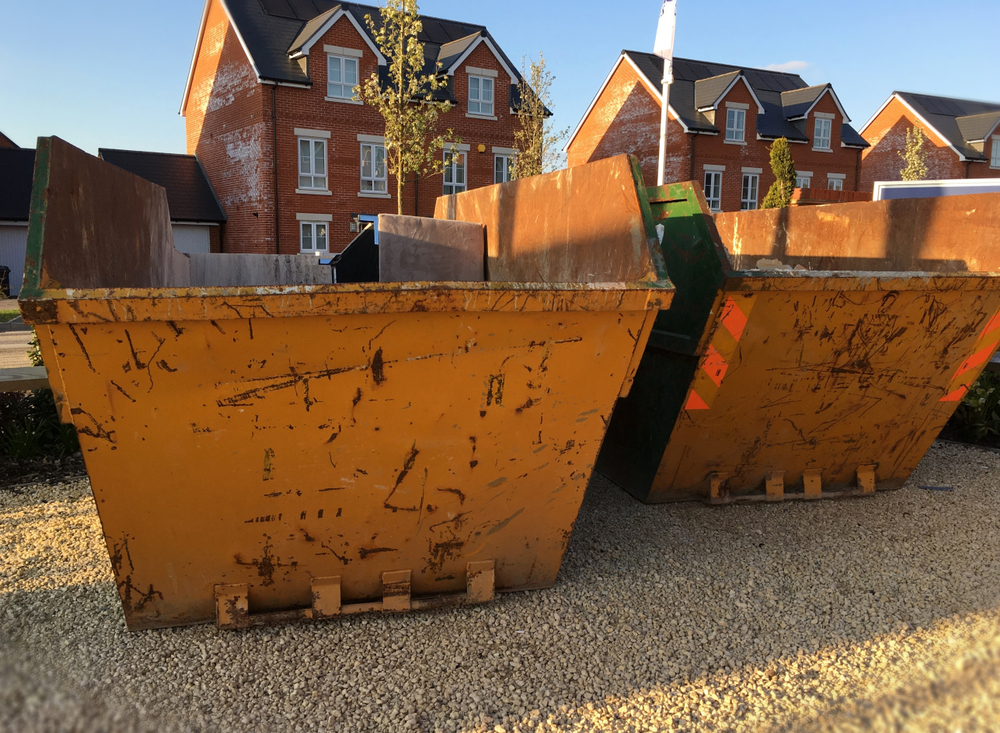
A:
{"x":695,"y":260}
{"x":32,"y":286}
{"x":648,"y":218}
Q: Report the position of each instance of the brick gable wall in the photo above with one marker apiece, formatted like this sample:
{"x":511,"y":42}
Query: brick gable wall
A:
{"x":626,"y":119}
{"x":887,"y":136}
{"x":227,"y":122}
{"x":226,"y":119}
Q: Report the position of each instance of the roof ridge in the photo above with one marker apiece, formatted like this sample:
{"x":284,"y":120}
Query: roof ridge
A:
{"x":734,"y":67}
{"x":979,"y":114}
{"x":950,"y":99}
{"x":811,"y":86}
{"x":709,"y":78}
{"x":477,"y":33}
{"x":419,"y":17}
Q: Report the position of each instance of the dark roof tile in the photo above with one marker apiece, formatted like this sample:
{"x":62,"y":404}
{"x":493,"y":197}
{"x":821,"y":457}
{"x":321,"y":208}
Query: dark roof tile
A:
{"x":707,"y":91}
{"x":687,"y":94}
{"x":945,"y":115}
{"x":976,"y":127}
{"x":272,"y":29}
{"x":190,"y":196}
{"x":796,"y":102}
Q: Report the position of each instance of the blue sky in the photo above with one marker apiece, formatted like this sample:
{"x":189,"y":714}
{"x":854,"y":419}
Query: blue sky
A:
{"x":110,"y":73}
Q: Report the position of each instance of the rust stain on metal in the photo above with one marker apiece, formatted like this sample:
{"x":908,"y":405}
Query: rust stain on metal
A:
{"x":382,"y":416}
{"x":268,"y":464}
{"x":810,"y":343}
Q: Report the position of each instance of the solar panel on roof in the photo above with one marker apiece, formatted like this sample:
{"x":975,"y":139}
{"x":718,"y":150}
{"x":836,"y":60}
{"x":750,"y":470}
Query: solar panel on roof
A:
{"x":435,"y":31}
{"x":280,"y":8}
{"x":937,"y":106}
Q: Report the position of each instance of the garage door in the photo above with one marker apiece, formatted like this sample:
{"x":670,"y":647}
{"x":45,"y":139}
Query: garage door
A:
{"x":13,"y":240}
{"x":191,"y":238}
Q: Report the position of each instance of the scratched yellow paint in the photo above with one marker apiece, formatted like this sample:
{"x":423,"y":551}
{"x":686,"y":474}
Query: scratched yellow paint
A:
{"x":271,"y":450}
{"x":389,"y":440}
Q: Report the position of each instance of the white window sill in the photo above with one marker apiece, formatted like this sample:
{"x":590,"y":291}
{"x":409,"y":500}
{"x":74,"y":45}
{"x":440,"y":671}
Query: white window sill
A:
{"x":822,"y":150}
{"x":314,"y":253}
{"x":342,"y":100}
{"x":314,"y":191}
{"x":995,"y":167}
{"x":735,"y":142}
{"x":474,"y":116}
{"x":373,"y":195}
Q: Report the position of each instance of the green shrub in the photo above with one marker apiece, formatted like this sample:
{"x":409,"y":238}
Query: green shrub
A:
{"x":30,"y":427}
{"x":977,"y":418}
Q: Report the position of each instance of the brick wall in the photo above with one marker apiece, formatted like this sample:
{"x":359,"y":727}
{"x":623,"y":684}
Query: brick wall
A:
{"x":626,"y":119}
{"x":887,"y":136}
{"x":229,"y":127}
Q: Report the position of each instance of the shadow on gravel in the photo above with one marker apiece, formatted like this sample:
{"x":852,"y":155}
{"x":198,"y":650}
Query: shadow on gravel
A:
{"x":654,"y":604}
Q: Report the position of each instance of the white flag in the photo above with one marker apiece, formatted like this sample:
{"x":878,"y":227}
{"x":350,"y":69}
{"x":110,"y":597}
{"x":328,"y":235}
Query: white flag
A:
{"x":664,"y":46}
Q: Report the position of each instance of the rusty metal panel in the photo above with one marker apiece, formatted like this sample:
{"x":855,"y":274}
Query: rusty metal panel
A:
{"x":417,"y":248}
{"x":585,"y":224}
{"x":807,"y":383}
{"x":292,"y":452}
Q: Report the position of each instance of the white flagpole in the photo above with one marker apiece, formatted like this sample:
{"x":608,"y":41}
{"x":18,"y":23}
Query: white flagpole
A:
{"x":668,"y":78}
{"x":664,"y":47}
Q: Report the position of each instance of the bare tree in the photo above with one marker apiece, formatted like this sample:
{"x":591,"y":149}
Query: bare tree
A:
{"x":537,"y":144}
{"x":406,"y":96}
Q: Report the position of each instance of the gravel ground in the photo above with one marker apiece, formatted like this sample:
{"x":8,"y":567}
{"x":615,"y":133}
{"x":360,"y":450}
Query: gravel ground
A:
{"x":868,"y":614}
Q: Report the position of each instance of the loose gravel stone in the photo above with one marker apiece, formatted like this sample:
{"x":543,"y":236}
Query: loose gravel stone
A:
{"x":868,"y":614}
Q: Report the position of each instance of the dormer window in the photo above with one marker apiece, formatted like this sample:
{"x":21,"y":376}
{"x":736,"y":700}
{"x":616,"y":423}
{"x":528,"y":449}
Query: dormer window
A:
{"x":822,"y":132}
{"x":480,"y":95}
{"x":736,"y":122}
{"x":341,"y":77}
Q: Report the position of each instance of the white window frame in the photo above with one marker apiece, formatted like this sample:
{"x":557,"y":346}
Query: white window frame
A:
{"x":749,"y":191}
{"x":455,"y":161}
{"x":313,"y":226}
{"x":803,"y":179}
{"x":506,"y":170}
{"x":478,"y":103}
{"x":827,"y":124}
{"x":342,"y":63}
{"x":713,"y":185}
{"x":835,"y":181}
{"x":995,"y":153}
{"x":374,"y":183}
{"x":309,"y":179}
{"x":736,"y":125}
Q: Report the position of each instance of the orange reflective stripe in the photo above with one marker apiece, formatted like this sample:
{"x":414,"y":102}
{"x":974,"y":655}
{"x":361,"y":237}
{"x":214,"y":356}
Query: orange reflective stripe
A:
{"x":980,"y":357}
{"x":984,"y":347}
{"x":955,"y":396}
{"x":733,"y":318}
{"x":715,"y":365}
{"x":720,"y":352}
{"x":695,"y":402}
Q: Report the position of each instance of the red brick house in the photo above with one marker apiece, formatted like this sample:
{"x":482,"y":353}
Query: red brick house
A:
{"x":964,"y":137}
{"x":722,"y":121}
{"x":269,"y":108}
{"x":6,"y":142}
